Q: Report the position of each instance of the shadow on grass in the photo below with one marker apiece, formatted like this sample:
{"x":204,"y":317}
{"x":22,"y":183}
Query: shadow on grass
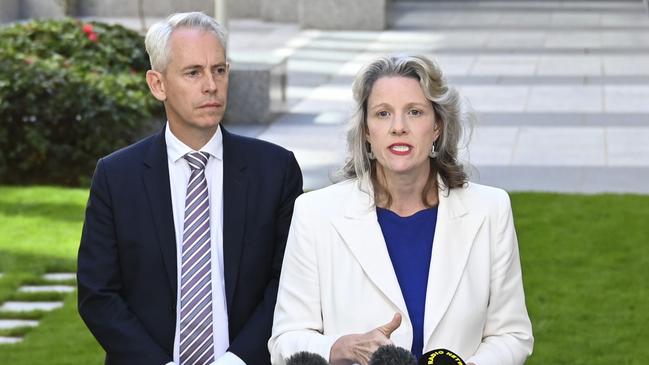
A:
{"x":24,"y":263}
{"x":66,"y":212}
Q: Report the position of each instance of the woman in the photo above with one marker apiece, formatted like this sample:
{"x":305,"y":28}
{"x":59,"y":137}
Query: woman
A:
{"x":404,"y":250}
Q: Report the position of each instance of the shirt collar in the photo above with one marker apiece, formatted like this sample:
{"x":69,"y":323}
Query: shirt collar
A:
{"x":176,"y":149}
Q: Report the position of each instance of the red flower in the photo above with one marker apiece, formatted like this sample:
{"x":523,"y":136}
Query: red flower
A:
{"x":87,"y":28}
{"x":93,"y":37}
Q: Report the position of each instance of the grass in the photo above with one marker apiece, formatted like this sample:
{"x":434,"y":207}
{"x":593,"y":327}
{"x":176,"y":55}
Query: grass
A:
{"x":586,"y":273}
{"x":585,"y":263}
{"x":40,"y":230}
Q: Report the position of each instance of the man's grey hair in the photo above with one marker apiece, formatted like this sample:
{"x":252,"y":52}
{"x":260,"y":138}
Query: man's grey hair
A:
{"x":157,"y":38}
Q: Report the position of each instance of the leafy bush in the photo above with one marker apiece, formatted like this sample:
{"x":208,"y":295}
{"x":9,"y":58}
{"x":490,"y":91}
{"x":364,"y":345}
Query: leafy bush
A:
{"x":70,"y":92}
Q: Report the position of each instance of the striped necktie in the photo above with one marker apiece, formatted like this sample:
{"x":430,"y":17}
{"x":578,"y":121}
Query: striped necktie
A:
{"x":196,"y":338}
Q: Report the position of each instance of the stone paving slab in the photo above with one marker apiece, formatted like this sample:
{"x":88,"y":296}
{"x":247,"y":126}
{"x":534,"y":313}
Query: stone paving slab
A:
{"x":561,"y":87}
{"x":9,"y":340}
{"x":46,"y":289}
{"x":30,"y":306}
{"x":584,"y":180}
{"x":7,"y":324}
{"x":60,"y":276}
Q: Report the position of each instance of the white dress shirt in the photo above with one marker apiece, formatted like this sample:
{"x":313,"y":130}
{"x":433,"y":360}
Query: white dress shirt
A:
{"x":179,"y":173}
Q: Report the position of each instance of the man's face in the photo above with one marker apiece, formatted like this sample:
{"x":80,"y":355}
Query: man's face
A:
{"x":195,"y":82}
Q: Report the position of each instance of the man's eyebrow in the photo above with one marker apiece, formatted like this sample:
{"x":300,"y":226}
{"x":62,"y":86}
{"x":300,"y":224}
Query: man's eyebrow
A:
{"x":191,"y":67}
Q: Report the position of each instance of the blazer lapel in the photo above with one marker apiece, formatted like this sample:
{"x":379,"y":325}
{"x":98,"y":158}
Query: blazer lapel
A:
{"x":360,"y":230}
{"x":235,"y":186}
{"x":156,"y":183}
{"x":454,"y":235}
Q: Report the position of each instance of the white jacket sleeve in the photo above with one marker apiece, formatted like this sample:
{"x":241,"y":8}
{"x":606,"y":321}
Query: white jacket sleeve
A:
{"x":507,"y":336}
{"x":297,"y":324}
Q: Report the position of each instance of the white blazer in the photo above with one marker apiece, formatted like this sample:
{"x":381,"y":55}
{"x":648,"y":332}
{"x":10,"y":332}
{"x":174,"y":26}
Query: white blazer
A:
{"x":337,"y":277}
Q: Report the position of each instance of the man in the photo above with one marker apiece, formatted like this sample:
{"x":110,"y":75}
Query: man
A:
{"x":185,"y":230}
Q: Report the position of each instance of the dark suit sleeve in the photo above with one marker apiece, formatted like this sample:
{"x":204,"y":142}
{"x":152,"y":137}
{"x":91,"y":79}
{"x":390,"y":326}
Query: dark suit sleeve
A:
{"x":100,"y":304}
{"x":250,"y":344}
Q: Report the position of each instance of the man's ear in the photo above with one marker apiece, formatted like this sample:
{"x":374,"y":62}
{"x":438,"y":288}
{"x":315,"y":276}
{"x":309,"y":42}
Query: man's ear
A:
{"x":156,"y":85}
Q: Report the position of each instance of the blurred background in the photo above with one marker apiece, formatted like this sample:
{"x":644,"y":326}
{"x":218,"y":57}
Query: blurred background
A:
{"x":560,"y":90}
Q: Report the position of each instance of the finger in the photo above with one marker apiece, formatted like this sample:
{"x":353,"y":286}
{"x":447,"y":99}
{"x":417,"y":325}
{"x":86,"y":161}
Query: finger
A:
{"x":391,"y":326}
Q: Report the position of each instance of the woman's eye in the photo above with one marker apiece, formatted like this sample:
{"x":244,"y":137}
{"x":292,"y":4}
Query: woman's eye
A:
{"x":415,"y":112}
{"x":382,"y":114}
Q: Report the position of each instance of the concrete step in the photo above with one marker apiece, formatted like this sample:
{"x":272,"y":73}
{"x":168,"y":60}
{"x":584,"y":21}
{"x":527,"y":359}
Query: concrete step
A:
{"x":30,"y":306}
{"x":9,"y":340}
{"x":46,"y":289}
{"x":60,"y":276}
{"x":7,"y":324}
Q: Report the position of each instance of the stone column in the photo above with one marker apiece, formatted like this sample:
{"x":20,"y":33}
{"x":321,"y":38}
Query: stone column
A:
{"x":343,"y":14}
{"x":244,"y":9}
{"x":9,"y":11}
{"x":284,"y":11}
{"x":152,"y":8}
{"x":44,"y":9}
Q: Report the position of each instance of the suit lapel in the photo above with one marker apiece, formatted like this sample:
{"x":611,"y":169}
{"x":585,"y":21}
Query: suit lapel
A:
{"x":360,"y":230}
{"x":235,"y":186}
{"x":454,"y":236}
{"x":156,"y":183}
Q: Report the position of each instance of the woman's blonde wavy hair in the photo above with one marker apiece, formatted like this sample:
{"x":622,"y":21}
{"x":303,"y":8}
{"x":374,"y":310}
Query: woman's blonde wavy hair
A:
{"x":448,"y":115}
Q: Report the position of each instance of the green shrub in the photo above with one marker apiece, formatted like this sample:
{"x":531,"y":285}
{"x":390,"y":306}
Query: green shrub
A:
{"x":69,"y":93}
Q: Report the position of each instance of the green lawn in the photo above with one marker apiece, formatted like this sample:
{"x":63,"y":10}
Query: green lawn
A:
{"x":585,"y":262}
{"x":39,"y":232}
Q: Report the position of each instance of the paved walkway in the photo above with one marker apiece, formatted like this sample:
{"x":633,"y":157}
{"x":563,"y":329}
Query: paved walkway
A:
{"x":561,"y":88}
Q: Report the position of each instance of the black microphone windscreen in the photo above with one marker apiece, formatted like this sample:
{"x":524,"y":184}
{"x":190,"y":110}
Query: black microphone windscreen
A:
{"x":306,"y":358}
{"x":392,"y":355}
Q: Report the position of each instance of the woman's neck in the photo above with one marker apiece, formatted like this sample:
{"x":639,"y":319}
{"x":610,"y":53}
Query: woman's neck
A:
{"x":406,"y":192}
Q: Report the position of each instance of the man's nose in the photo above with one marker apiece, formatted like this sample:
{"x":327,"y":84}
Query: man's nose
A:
{"x":210,"y":83}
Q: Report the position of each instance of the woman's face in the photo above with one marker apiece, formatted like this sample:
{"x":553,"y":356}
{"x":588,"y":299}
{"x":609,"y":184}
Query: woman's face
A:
{"x":402,"y":128}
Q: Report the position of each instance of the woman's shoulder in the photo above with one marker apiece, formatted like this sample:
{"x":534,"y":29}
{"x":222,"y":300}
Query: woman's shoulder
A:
{"x":474,"y":193}
{"x":332,"y":197}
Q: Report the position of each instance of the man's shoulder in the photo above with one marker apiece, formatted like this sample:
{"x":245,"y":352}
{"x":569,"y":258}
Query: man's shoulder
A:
{"x":132,"y":152}
{"x":255,"y":145}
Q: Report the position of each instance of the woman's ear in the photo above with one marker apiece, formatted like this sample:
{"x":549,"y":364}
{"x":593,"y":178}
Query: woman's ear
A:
{"x":156,"y":85}
{"x":437,"y":130}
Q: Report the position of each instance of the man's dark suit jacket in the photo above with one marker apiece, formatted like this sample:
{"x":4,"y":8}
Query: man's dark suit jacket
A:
{"x":127,"y":257}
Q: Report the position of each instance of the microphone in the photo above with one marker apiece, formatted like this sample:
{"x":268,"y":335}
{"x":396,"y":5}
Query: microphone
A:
{"x":440,"y":357}
{"x":392,"y":355}
{"x":306,"y":358}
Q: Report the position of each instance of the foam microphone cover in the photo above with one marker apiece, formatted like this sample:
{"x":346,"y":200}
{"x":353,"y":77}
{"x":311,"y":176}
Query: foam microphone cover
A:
{"x":440,"y":357}
{"x":306,"y":358}
{"x":392,"y":355}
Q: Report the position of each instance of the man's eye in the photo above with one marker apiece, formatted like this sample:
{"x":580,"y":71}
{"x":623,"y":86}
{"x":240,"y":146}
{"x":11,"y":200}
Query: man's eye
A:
{"x":192,"y":73}
{"x":221,"y":70}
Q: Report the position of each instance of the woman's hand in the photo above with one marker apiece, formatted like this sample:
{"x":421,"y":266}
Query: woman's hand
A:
{"x":358,"y":348}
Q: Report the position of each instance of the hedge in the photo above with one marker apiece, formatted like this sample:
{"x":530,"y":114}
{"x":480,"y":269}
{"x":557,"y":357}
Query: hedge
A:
{"x":70,"y":92}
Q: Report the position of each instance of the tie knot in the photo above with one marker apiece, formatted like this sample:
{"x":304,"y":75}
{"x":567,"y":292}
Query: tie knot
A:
{"x":197,"y":160}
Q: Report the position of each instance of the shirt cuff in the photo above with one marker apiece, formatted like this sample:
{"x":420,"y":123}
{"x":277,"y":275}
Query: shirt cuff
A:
{"x":229,"y":358}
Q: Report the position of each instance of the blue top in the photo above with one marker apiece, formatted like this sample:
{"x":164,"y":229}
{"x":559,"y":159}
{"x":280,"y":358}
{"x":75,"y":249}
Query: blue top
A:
{"x":410,"y":244}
